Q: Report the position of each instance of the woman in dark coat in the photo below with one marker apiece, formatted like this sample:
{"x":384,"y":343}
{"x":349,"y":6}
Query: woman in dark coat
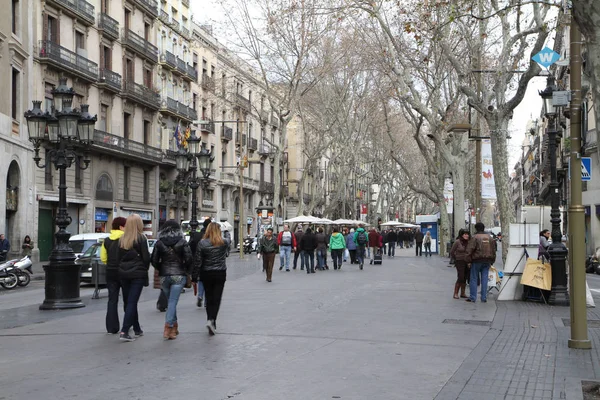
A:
{"x":309,"y":244}
{"x":459,"y":252}
{"x":172,"y":258}
{"x":210,"y":268}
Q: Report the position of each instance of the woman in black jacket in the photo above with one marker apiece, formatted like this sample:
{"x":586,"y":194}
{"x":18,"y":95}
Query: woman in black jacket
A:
{"x":211,"y":270}
{"x":308,"y":244}
{"x":172,"y":258}
{"x":134,"y":261}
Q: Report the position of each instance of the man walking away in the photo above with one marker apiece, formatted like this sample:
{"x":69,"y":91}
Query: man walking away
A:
{"x":374,"y":242}
{"x":337,"y":244}
{"x":322,"y":243}
{"x":361,"y":240}
{"x":286,"y":241}
{"x":481,"y":253}
{"x":111,"y":260}
{"x":267,"y":248}
{"x":309,"y":245}
{"x":419,"y":243}
{"x":351,"y":246}
{"x":392,"y":237}
{"x":298,"y":253}
{"x":4,"y":247}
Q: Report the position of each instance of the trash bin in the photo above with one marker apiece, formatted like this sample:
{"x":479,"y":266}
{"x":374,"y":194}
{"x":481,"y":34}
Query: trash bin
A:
{"x":448,"y":247}
{"x":99,"y":273}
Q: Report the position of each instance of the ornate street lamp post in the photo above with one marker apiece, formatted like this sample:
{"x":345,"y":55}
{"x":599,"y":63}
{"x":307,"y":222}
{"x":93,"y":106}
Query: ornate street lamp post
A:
{"x":62,"y":133}
{"x":187,"y":161}
{"x":557,"y":250}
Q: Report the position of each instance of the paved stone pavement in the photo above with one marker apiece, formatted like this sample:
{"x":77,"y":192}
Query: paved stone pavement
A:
{"x":372,"y":334}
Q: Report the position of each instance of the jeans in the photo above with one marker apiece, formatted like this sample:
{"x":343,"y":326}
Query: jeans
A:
{"x":353,"y":256}
{"x":200,"y":287}
{"x":132,"y":290}
{"x":214,"y":292}
{"x":392,"y":249}
{"x":298,"y":254}
{"x":337,"y":255}
{"x":284,"y":256}
{"x":427,"y":249}
{"x":172,"y":287}
{"x":419,"y":249}
{"x":360,"y":254}
{"x":309,"y":256}
{"x":321,"y":258}
{"x":368,"y":252}
{"x":112,"y":308}
{"x":478,"y":269}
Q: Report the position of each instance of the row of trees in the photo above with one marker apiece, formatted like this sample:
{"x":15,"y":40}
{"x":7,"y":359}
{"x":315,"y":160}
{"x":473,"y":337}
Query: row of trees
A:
{"x":379,"y":83}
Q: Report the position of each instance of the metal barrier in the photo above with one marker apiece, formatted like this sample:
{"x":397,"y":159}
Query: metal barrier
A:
{"x":98,"y":277}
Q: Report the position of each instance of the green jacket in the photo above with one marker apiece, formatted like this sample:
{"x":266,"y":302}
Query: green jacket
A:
{"x":268,"y":245}
{"x":337,"y":241}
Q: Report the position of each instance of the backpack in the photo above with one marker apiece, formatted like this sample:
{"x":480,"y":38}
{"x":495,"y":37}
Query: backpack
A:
{"x":286,"y":238}
{"x":361,"y":238}
{"x":488,"y":251}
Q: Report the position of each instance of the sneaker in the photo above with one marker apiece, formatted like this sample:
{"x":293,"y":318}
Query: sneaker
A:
{"x":360,"y":265}
{"x":212,"y":329}
{"x":287,"y":270}
{"x":125,"y":337}
{"x":112,"y":333}
{"x":280,"y":268}
{"x":138,"y":333}
{"x":199,"y":302}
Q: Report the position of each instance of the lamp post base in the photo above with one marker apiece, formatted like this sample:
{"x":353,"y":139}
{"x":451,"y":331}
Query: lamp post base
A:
{"x":61,"y":287}
{"x":580,"y":344}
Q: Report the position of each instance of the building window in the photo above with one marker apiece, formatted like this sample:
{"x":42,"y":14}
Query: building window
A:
{"x":15,"y":94}
{"x":126,"y":182}
{"x":223,"y":199}
{"x":15,"y":16}
{"x":223,"y":84}
{"x":78,"y":174}
{"x":207,"y":194}
{"x":79,"y":41}
{"x":146,"y":186}
{"x":48,"y":97}
{"x":104,"y":188}
{"x":48,"y":171}
{"x":52,"y":32}
{"x":103,"y":118}
{"x":147,"y":133}
{"x":106,"y":58}
{"x":147,"y":31}
{"x":126,"y":125}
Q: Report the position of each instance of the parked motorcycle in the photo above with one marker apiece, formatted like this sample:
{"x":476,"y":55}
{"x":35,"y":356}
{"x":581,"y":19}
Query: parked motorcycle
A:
{"x":248,"y":245}
{"x":22,"y":268}
{"x":8,"y":279}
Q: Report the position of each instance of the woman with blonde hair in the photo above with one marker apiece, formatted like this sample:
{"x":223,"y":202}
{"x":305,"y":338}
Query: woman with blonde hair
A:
{"x":134,"y":262}
{"x":210,"y":268}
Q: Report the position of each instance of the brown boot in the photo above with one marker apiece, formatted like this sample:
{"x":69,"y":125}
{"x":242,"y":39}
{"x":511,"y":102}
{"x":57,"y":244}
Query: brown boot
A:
{"x":167,"y":332}
{"x":174,"y":332}
{"x":176,"y":328}
{"x":462,"y":291}
{"x":456,"y":286}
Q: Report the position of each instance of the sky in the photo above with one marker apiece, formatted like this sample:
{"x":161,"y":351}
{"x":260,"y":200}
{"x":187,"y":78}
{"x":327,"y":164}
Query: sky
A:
{"x":210,"y":12}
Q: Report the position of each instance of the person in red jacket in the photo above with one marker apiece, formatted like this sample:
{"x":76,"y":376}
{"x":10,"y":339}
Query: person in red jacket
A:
{"x":286,"y":241}
{"x":375,"y":243}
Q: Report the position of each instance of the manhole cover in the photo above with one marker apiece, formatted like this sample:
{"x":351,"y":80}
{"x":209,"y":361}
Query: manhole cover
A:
{"x":592,"y":323}
{"x":467,"y":322}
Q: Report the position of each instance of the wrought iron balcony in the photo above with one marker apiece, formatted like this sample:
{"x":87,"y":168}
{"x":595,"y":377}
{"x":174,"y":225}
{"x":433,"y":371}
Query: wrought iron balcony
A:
{"x":127,"y":148}
{"x":186,"y":3}
{"x":192,"y":73}
{"x":175,"y":108}
{"x":226,"y":133}
{"x":185,"y":32}
{"x":80,"y":9}
{"x":174,"y":25}
{"x":266,"y":187}
{"x":208,"y":127}
{"x":242,"y":102}
{"x":140,"y":45}
{"x":108,"y":26}
{"x":65,"y":59}
{"x":265,"y":150}
{"x":149,"y":6}
{"x":240,"y":137}
{"x":181,"y":66}
{"x":168,"y":59}
{"x":208,"y":83}
{"x":170,"y":106}
{"x":163,"y":16}
{"x":252,"y":144}
{"x":111,"y":79}
{"x":141,"y":94}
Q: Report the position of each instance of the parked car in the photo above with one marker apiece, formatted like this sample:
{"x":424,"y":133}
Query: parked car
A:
{"x":82,"y":242}
{"x":86,"y":260}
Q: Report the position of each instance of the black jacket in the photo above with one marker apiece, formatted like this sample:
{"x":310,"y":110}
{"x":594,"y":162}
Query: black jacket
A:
{"x":392,"y":237}
{"x":299,"y":235}
{"x":209,"y":258}
{"x":308,"y":242}
{"x":135,"y":262}
{"x":172,"y":254}
{"x":419,"y":237}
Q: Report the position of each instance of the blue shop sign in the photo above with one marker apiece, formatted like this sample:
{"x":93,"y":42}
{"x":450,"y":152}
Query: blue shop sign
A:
{"x":101,"y":214}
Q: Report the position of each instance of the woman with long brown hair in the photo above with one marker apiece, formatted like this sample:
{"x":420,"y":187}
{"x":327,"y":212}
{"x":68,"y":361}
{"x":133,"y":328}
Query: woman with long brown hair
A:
{"x":134,"y":261}
{"x":210,"y":268}
{"x":459,"y":252}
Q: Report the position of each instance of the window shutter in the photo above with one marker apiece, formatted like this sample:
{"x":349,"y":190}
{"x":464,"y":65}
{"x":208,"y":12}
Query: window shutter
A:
{"x":102,"y":64}
{"x":57,"y":31}
{"x":45,"y":26}
{"x":108,"y":62}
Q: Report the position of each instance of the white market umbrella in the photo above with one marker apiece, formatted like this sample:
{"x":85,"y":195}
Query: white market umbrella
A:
{"x":392,"y":223}
{"x":303,"y":219}
{"x":326,"y":221}
{"x":344,"y":222}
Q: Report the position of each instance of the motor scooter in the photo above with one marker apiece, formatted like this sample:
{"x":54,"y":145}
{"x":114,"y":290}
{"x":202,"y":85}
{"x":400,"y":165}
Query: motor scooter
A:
{"x":8,"y":278}
{"x":23,"y":269}
{"x":248,"y":245}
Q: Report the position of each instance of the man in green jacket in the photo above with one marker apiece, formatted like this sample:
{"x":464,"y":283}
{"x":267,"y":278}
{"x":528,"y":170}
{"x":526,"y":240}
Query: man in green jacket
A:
{"x":267,"y":248}
{"x":362,"y":240}
{"x":337,"y":244}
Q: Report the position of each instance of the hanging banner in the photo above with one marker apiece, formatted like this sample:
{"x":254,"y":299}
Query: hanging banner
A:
{"x":488,"y":186}
{"x":449,"y":195}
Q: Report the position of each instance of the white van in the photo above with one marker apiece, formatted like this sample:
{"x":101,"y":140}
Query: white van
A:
{"x":80,"y":243}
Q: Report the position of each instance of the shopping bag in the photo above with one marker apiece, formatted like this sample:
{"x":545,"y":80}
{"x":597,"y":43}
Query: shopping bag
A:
{"x":346,"y":254}
{"x":537,"y":274}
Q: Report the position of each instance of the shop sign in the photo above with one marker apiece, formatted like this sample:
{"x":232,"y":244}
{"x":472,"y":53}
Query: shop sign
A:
{"x":101,"y":214}
{"x":145,"y":215}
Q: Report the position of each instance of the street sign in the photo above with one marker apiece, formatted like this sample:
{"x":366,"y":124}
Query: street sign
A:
{"x":586,"y":169}
{"x":546,"y":57}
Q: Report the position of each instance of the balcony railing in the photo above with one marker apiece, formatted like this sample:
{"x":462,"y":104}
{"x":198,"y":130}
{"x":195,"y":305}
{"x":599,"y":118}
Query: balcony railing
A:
{"x":140,"y":45}
{"x":208,"y":83}
{"x":163,"y":16}
{"x":242,"y":102}
{"x":226,"y":133}
{"x":252,"y":144}
{"x":66,"y":59}
{"x":185,"y":32}
{"x":179,"y":109}
{"x":77,"y":8}
{"x":141,"y":94}
{"x":171,"y":105}
{"x":181,"y":66}
{"x":186,"y":3}
{"x":192,"y":73}
{"x":108,"y":25}
{"x":208,"y":127}
{"x":126,"y":147}
{"x":169,"y":59}
{"x":149,"y":6}
{"x":111,"y":79}
{"x":266,"y":187}
{"x":239,"y":136}
{"x":174,"y":25}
